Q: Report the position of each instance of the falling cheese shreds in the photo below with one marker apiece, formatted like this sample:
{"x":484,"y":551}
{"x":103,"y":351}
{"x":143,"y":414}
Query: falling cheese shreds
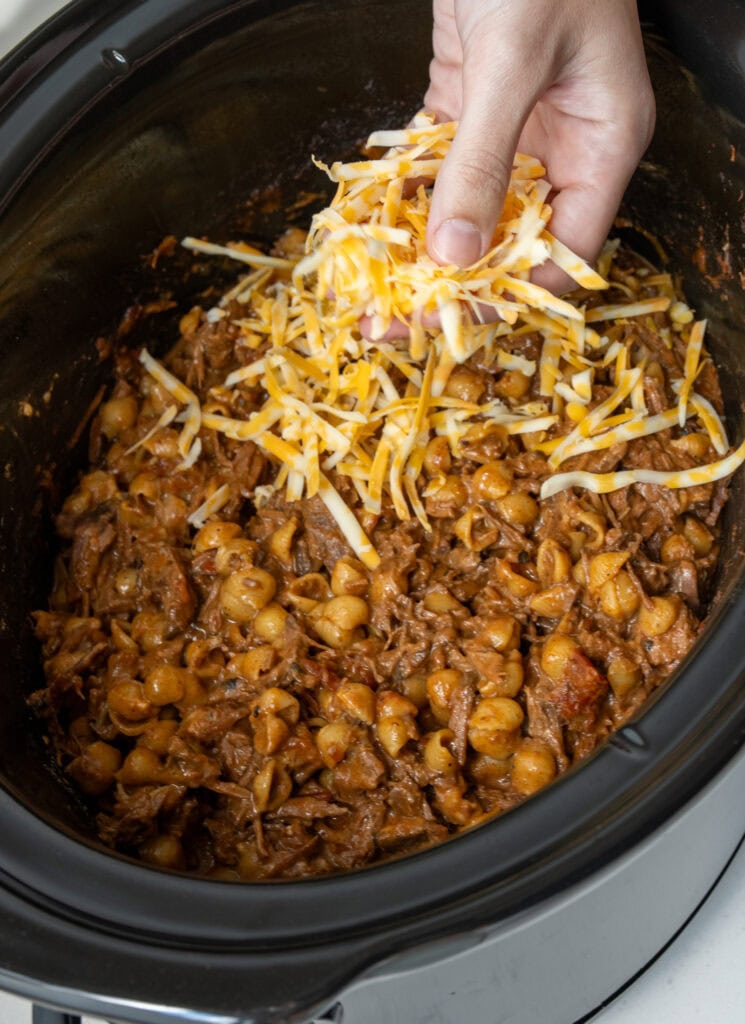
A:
{"x":253,"y":371}
{"x":191,"y":456}
{"x":243,"y":430}
{"x":171,"y":384}
{"x":582,"y":385}
{"x":325,"y":387}
{"x":568,"y":393}
{"x":188,"y":443}
{"x":527,"y":426}
{"x":607,"y":255}
{"x":549,"y":364}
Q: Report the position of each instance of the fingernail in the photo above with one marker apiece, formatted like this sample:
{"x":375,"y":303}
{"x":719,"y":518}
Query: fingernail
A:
{"x":458,"y":241}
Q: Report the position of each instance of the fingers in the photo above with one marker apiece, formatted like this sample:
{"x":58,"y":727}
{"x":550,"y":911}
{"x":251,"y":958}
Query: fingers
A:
{"x":496,"y":64}
{"x":590,"y":190}
{"x":469,"y":192}
{"x":582,"y":212}
{"x":493,"y":62}
{"x":397,"y":331}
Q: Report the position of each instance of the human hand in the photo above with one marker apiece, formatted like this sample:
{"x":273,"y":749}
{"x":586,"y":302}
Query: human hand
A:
{"x":565,"y":81}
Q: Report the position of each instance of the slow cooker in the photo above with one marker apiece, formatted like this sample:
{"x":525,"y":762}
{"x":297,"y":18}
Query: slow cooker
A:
{"x":152,"y":117}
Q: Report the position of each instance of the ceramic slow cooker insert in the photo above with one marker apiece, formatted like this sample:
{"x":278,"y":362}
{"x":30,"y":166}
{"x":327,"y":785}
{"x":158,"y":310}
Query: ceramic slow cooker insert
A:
{"x":159,"y":117}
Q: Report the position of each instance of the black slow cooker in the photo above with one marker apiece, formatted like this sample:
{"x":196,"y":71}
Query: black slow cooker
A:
{"x":123,"y":122}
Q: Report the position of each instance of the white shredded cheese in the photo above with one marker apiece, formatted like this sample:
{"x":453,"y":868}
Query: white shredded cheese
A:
{"x":208,"y":508}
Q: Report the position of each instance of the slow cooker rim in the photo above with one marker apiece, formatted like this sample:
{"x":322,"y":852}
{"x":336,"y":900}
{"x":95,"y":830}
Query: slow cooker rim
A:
{"x":641,"y":754}
{"x":37,"y":102}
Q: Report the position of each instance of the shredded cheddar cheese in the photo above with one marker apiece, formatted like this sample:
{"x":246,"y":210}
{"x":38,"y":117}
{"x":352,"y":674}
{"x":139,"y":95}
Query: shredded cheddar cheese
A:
{"x":209,"y":507}
{"x":342,"y":397}
{"x":603,"y":483}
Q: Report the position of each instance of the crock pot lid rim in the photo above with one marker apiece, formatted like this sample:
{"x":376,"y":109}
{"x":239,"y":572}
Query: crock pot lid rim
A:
{"x":45,"y":100}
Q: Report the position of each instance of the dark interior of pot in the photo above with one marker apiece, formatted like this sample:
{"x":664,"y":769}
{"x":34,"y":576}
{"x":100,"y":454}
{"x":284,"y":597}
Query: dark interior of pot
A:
{"x":177,"y":142}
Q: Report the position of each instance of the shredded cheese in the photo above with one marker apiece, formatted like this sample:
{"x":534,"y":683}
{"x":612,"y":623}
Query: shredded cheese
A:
{"x":167,"y":417}
{"x":690,"y":369}
{"x":350,"y":401}
{"x":209,"y":507}
{"x":603,"y":483}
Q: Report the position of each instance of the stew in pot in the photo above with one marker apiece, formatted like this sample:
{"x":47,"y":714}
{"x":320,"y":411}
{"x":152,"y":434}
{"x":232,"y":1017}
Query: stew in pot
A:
{"x":325,"y":597}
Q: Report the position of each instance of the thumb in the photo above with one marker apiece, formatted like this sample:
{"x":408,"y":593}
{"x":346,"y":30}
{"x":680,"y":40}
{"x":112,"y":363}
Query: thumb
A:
{"x":471,"y":185}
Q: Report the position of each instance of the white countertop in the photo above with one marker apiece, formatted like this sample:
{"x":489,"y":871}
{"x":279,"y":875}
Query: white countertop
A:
{"x":19,"y":17}
{"x":699,"y":979}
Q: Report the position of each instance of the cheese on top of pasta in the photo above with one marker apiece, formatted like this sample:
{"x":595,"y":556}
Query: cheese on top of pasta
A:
{"x":364,"y":406}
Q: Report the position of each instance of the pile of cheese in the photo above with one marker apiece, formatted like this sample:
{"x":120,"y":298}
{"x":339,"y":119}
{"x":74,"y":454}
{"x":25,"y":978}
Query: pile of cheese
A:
{"x":341,"y":399}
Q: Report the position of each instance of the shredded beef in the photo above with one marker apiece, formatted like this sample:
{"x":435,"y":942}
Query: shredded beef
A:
{"x":220,"y":722}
